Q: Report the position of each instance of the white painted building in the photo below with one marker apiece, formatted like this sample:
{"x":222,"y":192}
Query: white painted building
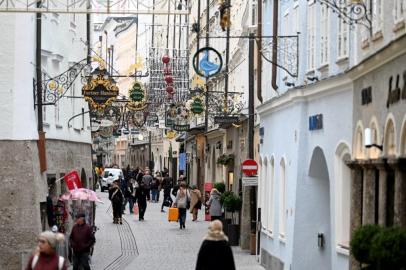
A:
{"x":67,"y":141}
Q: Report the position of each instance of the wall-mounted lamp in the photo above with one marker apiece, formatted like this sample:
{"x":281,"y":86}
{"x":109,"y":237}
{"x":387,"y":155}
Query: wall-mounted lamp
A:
{"x":313,"y":78}
{"x":289,"y":84}
{"x":368,"y":140}
{"x":320,"y":240}
{"x":219,"y":145}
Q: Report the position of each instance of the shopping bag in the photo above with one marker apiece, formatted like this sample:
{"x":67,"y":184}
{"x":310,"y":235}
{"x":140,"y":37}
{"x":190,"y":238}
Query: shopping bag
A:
{"x":136,"y":209}
{"x":173,"y":214}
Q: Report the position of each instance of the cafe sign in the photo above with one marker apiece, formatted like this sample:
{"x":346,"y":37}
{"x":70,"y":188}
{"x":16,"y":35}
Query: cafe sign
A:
{"x":100,"y":91}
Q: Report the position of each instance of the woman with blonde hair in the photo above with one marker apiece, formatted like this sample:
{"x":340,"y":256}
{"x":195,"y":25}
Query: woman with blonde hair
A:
{"x":215,"y":252}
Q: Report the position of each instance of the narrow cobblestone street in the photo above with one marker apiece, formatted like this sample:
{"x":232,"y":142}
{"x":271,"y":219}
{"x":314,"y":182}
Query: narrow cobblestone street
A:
{"x":154,"y":243}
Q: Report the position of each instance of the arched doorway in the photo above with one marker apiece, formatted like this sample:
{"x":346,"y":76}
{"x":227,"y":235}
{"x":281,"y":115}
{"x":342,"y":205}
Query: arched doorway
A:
{"x":315,"y":219}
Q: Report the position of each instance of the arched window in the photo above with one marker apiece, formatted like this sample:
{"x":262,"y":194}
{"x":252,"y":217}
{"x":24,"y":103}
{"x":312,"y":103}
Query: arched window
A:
{"x":265,"y":195}
{"x":342,"y":195}
{"x":359,"y":143}
{"x":390,"y":140}
{"x":374,"y":152}
{"x":282,"y":199}
{"x":403,"y":140}
{"x":270,"y":191}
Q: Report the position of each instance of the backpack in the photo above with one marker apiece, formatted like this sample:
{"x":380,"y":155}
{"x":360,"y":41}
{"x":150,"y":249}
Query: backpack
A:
{"x":36,"y":258}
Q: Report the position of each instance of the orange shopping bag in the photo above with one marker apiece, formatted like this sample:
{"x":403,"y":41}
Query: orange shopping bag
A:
{"x":173,"y":214}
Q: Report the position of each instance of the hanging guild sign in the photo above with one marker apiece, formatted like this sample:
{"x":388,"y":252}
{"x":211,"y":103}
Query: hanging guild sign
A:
{"x":100,"y":91}
{"x":225,"y":119}
{"x":137,"y":97}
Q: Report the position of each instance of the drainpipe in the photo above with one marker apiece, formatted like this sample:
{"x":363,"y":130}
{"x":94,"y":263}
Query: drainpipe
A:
{"x":259,"y":48}
{"x":41,"y":133}
{"x":275,"y":43}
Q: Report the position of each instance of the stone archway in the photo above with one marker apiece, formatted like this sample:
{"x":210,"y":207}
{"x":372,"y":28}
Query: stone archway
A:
{"x":390,"y":138}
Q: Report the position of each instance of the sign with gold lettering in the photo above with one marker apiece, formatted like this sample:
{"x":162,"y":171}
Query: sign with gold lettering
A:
{"x":100,"y":91}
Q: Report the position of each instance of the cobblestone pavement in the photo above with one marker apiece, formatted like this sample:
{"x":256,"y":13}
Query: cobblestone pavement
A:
{"x":154,"y":243}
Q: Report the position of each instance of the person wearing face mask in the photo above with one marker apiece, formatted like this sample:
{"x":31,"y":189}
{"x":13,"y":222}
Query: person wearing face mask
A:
{"x":45,"y":256}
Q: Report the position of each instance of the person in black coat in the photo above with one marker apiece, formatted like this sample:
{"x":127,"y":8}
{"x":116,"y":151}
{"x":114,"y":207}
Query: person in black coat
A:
{"x":116,"y":197}
{"x":215,"y":252}
{"x":141,"y":198}
{"x":167,"y":185}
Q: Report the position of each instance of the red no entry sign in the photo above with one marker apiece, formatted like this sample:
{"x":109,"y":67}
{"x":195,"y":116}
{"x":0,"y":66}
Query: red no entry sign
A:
{"x":250,"y":167}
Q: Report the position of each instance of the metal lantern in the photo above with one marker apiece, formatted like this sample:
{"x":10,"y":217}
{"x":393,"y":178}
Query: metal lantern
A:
{"x":165,"y":59}
{"x":170,"y":90}
{"x":168,"y":79}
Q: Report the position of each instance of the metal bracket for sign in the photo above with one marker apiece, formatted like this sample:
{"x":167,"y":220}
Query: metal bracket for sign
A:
{"x":55,"y":88}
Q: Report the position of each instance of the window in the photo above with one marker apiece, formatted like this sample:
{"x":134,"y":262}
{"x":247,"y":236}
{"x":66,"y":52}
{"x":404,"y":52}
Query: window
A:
{"x":295,"y":21}
{"x":265,"y":208}
{"x":311,"y":35}
{"x":282,"y":201}
{"x":399,"y":10}
{"x":377,"y":16}
{"x":342,"y":39}
{"x":270,"y":194}
{"x":343,"y":196}
{"x":285,"y":31}
{"x":324,"y":23}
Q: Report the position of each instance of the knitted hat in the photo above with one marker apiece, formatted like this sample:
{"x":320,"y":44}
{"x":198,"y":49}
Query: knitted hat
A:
{"x":50,"y":237}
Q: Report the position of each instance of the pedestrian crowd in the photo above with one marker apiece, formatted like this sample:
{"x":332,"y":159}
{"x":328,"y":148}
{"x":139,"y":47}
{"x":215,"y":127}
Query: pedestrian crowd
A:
{"x":136,"y":189}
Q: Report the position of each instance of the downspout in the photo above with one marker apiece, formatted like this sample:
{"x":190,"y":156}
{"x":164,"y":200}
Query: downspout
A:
{"x":275,"y":43}
{"x":259,"y":49}
{"x":41,"y":133}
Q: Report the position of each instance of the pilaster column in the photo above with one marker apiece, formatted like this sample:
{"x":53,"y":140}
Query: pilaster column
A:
{"x":399,"y":166}
{"x":368,"y":202}
{"x":356,"y":203}
{"x":380,"y":164}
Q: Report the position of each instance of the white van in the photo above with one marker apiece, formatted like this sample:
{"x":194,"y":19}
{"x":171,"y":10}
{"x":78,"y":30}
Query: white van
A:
{"x":108,"y":180}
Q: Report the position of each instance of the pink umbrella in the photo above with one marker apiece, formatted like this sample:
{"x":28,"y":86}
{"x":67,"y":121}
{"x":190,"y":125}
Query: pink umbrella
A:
{"x":81,"y":194}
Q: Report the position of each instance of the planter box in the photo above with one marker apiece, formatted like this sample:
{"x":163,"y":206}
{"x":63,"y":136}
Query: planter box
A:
{"x":226,"y":222}
{"x":233,"y":234}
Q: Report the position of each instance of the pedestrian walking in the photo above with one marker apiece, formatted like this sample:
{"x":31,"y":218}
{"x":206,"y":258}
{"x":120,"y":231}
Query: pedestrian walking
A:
{"x":154,"y":189}
{"x":215,"y":253}
{"x":147,"y":180}
{"x":181,"y":202}
{"x":159,"y":177}
{"x":214,"y":204}
{"x":195,"y":201}
{"x":130,"y":192}
{"x":123,"y":187}
{"x":167,"y":186}
{"x":81,"y":240}
{"x":45,"y":256}
{"x":141,"y":198}
{"x":116,"y":197}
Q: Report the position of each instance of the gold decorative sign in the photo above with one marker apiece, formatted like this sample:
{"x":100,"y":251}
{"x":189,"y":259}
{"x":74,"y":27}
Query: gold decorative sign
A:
{"x":100,"y":92}
{"x":137,"y":97}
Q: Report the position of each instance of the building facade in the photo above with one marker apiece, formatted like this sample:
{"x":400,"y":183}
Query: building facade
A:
{"x":67,"y":144}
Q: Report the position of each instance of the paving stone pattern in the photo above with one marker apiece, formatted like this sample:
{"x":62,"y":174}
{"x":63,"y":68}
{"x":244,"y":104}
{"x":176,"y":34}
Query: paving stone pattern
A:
{"x":154,"y":243}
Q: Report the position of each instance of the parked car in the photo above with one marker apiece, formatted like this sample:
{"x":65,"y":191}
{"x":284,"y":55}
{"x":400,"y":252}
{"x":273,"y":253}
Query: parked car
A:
{"x":107,"y":180}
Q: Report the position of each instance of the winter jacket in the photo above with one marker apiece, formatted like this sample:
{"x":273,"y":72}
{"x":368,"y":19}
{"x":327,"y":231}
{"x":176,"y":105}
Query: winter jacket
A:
{"x":46,"y":262}
{"x":195,"y":198}
{"x":181,"y":201}
{"x":116,"y":197}
{"x":215,"y":255}
{"x":214,"y":203}
{"x":81,"y":238}
{"x":147,"y":180}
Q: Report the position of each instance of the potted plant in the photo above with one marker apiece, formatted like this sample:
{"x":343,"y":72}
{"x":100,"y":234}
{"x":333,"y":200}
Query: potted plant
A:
{"x":232,"y":203}
{"x":225,"y":159}
{"x":377,"y":248}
